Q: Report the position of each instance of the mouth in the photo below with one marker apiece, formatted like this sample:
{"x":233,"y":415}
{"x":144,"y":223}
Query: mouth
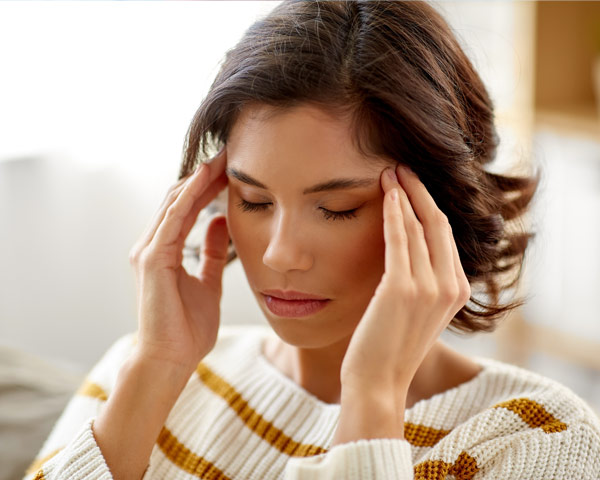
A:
{"x":293,"y":304}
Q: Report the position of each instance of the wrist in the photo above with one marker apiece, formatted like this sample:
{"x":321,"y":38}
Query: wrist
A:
{"x":146,"y":359}
{"x":370,"y":414}
{"x":135,"y":412}
{"x":387,"y":395}
{"x":156,"y":384}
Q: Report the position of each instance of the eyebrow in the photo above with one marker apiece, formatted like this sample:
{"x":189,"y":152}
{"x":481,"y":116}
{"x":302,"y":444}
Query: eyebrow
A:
{"x":334,"y":184}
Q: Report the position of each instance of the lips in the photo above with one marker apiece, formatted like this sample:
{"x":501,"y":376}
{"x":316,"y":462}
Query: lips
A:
{"x":292,"y":295}
{"x":293,"y":304}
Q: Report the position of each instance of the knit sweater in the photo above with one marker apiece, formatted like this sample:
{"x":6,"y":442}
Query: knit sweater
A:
{"x":238,"y":417}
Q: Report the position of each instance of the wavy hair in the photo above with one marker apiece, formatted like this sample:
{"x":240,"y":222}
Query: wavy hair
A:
{"x":395,"y":69}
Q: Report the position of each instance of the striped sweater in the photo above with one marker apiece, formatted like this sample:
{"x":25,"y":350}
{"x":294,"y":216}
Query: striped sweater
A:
{"x":238,"y":417}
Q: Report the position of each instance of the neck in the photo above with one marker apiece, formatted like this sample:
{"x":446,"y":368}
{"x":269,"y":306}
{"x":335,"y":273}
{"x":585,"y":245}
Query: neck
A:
{"x":317,"y":370}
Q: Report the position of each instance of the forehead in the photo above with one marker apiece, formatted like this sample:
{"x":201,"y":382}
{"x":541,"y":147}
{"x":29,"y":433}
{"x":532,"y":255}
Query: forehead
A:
{"x":303,"y":136}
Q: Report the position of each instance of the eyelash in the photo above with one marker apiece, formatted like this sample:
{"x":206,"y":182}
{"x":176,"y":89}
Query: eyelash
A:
{"x":328,"y":214}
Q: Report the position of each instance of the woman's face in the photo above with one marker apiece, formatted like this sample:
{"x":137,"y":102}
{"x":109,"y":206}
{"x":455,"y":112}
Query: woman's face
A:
{"x":292,"y":241}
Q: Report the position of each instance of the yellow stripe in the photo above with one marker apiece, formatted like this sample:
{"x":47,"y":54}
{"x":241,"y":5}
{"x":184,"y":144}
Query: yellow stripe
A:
{"x":39,"y":475}
{"x":422,"y":436}
{"x":417,"y":435}
{"x":90,"y":389}
{"x":185,"y":459}
{"x":533,"y":414}
{"x":37,"y":464}
{"x":254,"y":420}
{"x":464,"y":468}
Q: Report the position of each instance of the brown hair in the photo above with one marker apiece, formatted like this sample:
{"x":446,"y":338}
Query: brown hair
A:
{"x":397,"y":71}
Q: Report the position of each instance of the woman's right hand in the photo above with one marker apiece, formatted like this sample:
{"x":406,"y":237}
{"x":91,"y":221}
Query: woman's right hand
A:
{"x":178,"y":313}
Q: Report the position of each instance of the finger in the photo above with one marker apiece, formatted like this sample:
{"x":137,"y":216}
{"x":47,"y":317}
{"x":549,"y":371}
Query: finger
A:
{"x":172,"y":194}
{"x":214,"y":253}
{"x":169,"y":230}
{"x":218,"y":161}
{"x":177,"y":212}
{"x":434,"y":221}
{"x":461,"y":277}
{"x":213,"y":190}
{"x":397,"y":261}
{"x":418,"y":251}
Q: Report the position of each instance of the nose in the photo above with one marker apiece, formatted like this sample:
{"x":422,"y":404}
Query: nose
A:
{"x":287,"y":249}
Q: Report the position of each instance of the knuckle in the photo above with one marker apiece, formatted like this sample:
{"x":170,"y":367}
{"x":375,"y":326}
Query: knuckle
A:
{"x":394,"y":217}
{"x":465,"y":291}
{"x":450,"y":293}
{"x":171,"y":212}
{"x":415,"y":226}
{"x":173,"y":193}
{"x":214,"y":253}
{"x":146,"y":258}
{"x":133,"y":255}
{"x":156,"y":257}
{"x":429,"y":292}
{"x":408,"y":291}
{"x":179,"y":257}
{"x":441,"y":218}
{"x":398,"y":236}
{"x":409,"y":295}
{"x":396,"y":287}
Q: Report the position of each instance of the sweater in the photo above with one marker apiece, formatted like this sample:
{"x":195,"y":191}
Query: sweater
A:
{"x":238,"y":417}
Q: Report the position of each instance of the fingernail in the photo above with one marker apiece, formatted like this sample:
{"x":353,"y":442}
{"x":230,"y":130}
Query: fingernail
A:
{"x":391,"y":174}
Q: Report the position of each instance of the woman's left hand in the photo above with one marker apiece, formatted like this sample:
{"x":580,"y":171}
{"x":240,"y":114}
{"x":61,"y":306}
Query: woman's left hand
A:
{"x":421,"y":290}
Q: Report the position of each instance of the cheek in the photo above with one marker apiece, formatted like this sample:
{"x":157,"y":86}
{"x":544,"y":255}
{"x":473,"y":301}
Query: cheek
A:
{"x":238,"y":230}
{"x":364,"y":255}
{"x":356,"y":261}
{"x":246,"y":234}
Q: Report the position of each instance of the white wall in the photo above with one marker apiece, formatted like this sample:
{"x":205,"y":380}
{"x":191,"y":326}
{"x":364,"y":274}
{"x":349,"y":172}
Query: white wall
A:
{"x":564,"y":268}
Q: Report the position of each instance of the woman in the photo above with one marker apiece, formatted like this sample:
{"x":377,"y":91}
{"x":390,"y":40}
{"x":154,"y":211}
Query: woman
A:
{"x":357,"y":263}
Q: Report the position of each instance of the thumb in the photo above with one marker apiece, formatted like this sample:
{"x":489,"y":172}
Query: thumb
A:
{"x":214,"y":253}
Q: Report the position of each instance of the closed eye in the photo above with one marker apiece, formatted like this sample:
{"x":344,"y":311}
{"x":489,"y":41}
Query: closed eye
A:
{"x":327,"y":214}
{"x":252,"y":207}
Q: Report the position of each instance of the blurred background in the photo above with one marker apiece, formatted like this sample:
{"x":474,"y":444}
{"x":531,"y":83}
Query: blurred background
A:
{"x":95,"y":101}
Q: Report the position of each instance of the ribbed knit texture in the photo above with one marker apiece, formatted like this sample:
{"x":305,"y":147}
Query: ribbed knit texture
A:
{"x":240,"y":418}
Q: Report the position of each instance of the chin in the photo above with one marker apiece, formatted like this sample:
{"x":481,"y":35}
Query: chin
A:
{"x":315,"y":331}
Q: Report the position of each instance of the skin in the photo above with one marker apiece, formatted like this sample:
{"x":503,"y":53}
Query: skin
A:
{"x":392,"y":273}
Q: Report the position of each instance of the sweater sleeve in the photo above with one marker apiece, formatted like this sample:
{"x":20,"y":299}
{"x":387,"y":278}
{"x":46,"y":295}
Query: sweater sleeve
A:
{"x":71,"y":451}
{"x":377,"y":458}
{"x":534,"y":454}
{"x":567,"y":455}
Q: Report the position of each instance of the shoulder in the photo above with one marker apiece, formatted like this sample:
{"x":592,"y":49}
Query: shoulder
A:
{"x":525,"y":410}
{"x":504,"y":400}
{"x":508,"y":422}
{"x":534,"y":397}
{"x":538,"y":423}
